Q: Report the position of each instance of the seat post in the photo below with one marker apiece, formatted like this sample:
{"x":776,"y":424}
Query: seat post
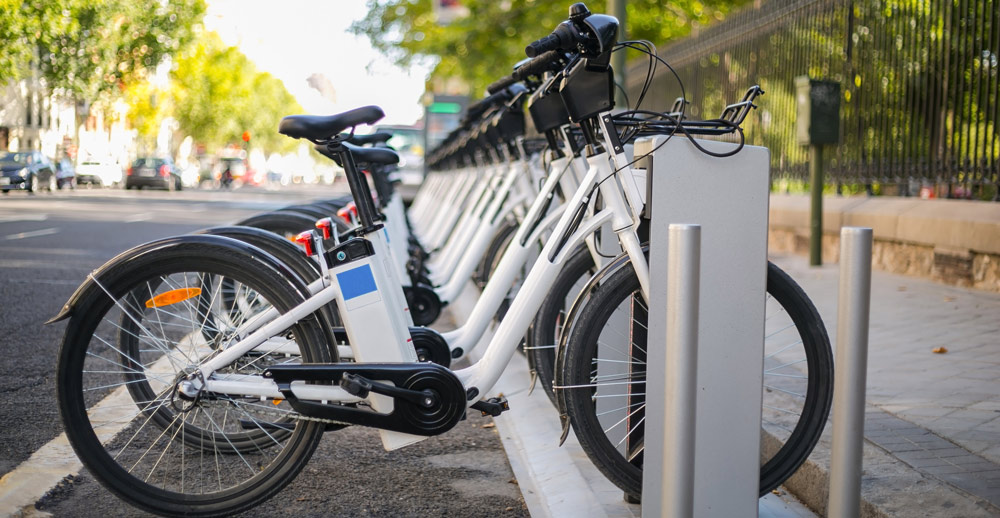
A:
{"x":359,"y":189}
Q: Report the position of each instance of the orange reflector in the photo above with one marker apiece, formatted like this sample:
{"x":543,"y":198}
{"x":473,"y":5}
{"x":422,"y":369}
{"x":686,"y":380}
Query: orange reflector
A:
{"x":172,"y":297}
{"x":277,"y":402}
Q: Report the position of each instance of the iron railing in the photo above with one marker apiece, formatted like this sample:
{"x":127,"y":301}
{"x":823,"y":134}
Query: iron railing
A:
{"x":919,"y":80}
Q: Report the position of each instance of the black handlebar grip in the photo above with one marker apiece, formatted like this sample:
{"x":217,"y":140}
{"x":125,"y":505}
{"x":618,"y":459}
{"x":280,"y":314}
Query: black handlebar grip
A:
{"x":537,"y":65}
{"x":500,"y":84}
{"x":550,"y":42}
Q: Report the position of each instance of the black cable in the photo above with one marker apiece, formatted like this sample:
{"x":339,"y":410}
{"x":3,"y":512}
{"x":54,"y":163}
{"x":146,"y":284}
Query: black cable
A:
{"x":624,"y":93}
{"x":677,"y":123}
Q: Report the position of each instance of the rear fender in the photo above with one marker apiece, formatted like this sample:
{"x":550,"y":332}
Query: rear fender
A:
{"x":112,"y":270}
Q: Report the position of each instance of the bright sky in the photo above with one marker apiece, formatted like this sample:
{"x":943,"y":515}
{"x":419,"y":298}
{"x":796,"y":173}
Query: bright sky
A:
{"x":294,"y":39}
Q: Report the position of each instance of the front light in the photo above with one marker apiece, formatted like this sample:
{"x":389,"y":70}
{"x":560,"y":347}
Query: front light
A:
{"x":23,"y":172}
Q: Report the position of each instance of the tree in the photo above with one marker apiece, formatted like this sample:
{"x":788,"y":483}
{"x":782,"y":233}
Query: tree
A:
{"x":483,"y":46}
{"x":218,"y":94}
{"x":92,"y":47}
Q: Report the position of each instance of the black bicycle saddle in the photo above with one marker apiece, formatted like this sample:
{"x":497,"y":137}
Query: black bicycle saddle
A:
{"x":323,"y":127}
{"x":374,"y":138}
{"x":362,"y":155}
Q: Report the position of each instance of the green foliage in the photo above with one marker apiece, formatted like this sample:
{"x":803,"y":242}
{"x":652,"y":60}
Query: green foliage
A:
{"x":92,"y":47}
{"x":217,"y":94}
{"x":483,"y":46}
{"x":148,"y":106}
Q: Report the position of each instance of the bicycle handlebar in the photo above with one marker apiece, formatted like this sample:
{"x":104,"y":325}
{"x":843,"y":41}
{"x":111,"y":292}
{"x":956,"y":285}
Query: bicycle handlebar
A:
{"x":564,"y":37}
{"x":501,"y":84}
{"x":535,"y":66}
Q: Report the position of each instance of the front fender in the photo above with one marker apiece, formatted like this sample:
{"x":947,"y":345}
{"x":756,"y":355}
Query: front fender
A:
{"x":109,"y":271}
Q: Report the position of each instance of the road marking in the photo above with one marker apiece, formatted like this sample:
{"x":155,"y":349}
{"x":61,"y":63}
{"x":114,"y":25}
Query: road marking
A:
{"x":33,"y":233}
{"x":56,"y":460}
{"x":10,"y":218}
{"x":142,"y":216}
{"x":41,"y":250}
{"x":56,"y":282}
{"x":30,"y":481}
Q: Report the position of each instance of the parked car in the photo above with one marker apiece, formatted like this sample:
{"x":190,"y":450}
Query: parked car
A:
{"x":65,"y":174}
{"x":102,"y":172}
{"x":153,"y":172}
{"x":27,"y":171}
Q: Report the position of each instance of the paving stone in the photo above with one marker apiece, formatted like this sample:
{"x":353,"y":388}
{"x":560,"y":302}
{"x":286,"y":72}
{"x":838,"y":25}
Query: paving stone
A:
{"x":944,"y":470}
{"x":922,"y":463}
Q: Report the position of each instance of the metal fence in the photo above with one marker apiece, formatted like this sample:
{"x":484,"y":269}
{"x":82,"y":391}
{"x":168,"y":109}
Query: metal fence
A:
{"x":919,"y":82}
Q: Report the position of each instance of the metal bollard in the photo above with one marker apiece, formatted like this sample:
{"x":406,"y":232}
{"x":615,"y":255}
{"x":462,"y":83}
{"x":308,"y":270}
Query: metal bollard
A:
{"x":676,"y":497}
{"x":853,"y":305}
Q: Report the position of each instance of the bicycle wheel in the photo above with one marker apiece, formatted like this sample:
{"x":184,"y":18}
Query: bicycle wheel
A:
{"x":126,"y":346}
{"x":497,"y":247}
{"x":604,"y":379}
{"x":547,"y":327}
{"x":309,"y":210}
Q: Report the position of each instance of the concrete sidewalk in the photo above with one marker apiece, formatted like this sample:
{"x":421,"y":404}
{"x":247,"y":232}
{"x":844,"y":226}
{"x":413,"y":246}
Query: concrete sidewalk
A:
{"x":932,"y":425}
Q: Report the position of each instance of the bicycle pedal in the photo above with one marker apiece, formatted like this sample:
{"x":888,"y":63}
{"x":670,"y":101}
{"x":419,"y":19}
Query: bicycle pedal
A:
{"x":493,"y":406}
{"x":355,"y":385}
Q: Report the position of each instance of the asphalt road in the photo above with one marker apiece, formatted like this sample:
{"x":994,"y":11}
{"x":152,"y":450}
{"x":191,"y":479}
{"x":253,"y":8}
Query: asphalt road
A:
{"x":48,"y":244}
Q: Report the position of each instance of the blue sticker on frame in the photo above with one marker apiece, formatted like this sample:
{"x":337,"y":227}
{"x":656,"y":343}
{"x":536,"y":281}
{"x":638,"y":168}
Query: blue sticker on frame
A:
{"x":356,"y":282}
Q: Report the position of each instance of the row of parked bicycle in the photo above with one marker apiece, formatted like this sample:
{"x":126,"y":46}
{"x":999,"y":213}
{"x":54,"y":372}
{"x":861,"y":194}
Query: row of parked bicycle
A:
{"x":198,"y":372}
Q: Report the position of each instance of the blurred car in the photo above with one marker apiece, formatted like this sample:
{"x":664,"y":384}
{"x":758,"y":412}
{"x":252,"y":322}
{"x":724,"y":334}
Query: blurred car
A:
{"x":101,"y":172}
{"x":27,"y":170}
{"x":408,"y":141}
{"x":65,"y":174}
{"x":158,"y":172}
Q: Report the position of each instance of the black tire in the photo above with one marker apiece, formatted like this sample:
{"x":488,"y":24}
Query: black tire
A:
{"x":497,"y":247}
{"x":314,"y":210}
{"x":332,"y":206}
{"x":203,"y":465}
{"x":32,"y":182}
{"x":547,"y":327}
{"x":796,"y":435}
{"x":287,"y":223}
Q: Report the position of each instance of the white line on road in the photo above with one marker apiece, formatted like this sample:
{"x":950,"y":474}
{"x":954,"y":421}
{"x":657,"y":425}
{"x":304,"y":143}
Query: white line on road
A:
{"x":33,"y":233}
{"x":9,"y":218}
{"x":56,"y":460}
{"x":142,"y":216}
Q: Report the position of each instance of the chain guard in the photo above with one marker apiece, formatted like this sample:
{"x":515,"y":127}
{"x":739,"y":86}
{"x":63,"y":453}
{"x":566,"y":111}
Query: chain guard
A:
{"x":406,"y":416}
